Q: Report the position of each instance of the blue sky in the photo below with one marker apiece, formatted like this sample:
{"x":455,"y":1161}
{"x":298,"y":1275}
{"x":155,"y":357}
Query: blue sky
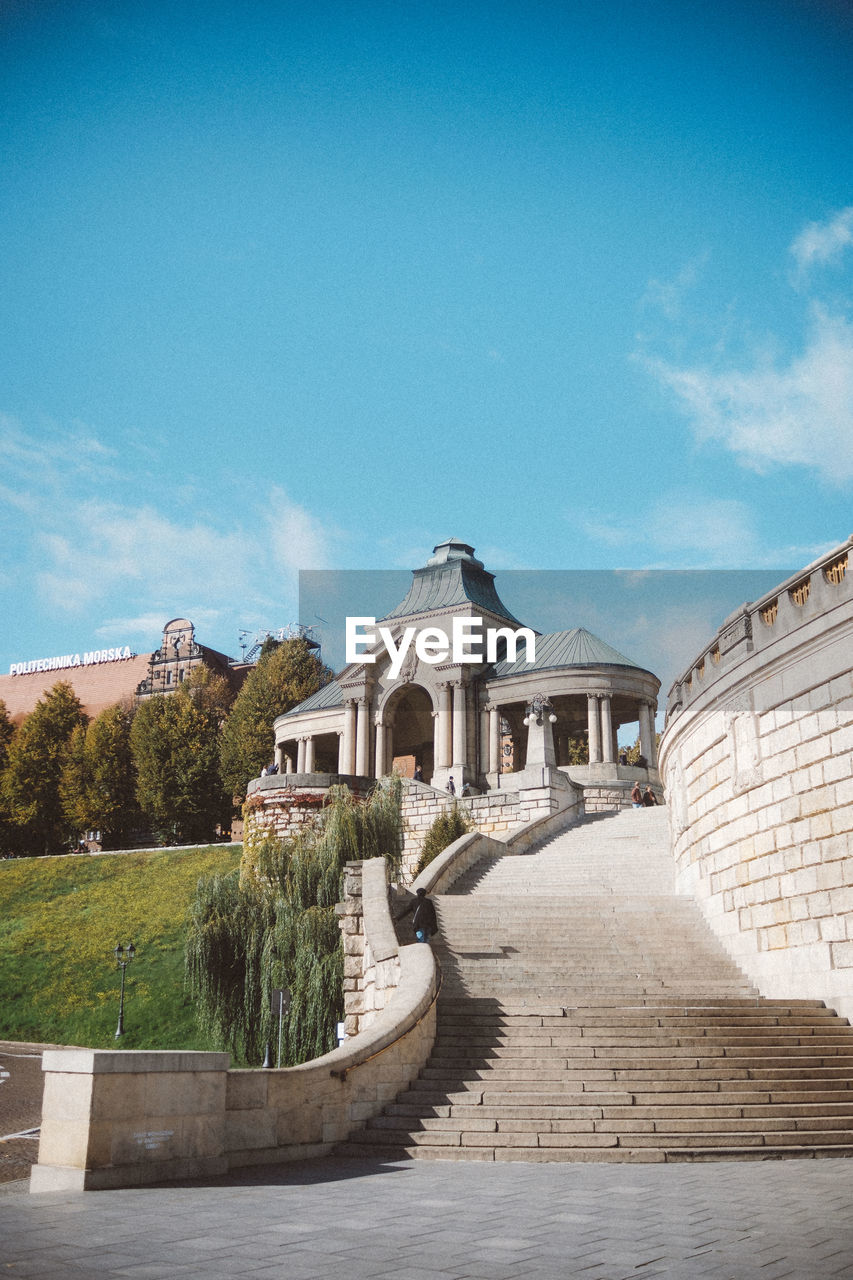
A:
{"x":307,"y":286}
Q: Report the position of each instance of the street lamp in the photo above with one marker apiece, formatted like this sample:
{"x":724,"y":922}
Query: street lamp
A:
{"x":539,"y":705}
{"x":123,"y":958}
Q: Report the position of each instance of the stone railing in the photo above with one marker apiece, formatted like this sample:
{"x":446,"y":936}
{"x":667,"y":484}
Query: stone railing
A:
{"x":816,"y":590}
{"x":756,"y":759}
{"x":131,"y":1118}
{"x":371,"y":951}
{"x":497,"y":813}
{"x":474,"y":846}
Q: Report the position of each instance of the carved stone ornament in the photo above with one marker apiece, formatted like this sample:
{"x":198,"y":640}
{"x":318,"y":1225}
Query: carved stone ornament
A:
{"x":409,"y":667}
{"x":735,"y":630}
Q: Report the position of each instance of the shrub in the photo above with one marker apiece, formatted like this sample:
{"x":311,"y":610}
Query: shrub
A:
{"x":447,"y":827}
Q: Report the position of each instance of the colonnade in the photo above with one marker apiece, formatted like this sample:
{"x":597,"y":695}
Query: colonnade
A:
{"x":367,"y":740}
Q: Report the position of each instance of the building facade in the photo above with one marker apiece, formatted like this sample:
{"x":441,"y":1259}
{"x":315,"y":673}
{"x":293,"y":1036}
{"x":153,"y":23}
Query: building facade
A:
{"x":454,"y":718}
{"x":103,"y":677}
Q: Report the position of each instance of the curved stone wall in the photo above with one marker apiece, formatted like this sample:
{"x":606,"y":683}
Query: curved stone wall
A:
{"x":756,"y":761}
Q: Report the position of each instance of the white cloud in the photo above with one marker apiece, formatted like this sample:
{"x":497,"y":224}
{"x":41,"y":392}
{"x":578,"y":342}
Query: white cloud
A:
{"x":684,"y":529}
{"x":667,"y":296}
{"x":139,"y":563}
{"x":798,"y":415}
{"x":821,"y":242}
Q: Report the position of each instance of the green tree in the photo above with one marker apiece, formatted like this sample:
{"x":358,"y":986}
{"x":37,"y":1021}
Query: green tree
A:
{"x":30,"y":783}
{"x":578,"y":751}
{"x":284,"y":676}
{"x":274,"y":925}
{"x":98,"y":784}
{"x":174,"y":741}
{"x":7,"y":732}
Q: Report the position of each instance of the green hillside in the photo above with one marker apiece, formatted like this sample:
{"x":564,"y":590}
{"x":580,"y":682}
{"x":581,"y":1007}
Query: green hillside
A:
{"x":60,"y":920}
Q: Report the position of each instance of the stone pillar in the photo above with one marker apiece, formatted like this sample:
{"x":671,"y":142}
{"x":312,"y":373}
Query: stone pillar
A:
{"x":300,"y":756}
{"x":607,"y":748}
{"x":379,"y":757}
{"x":309,"y":755}
{"x":280,"y":756}
{"x":362,"y":739}
{"x":349,"y":738}
{"x":342,"y":763}
{"x":494,"y":740}
{"x":647,"y":733}
{"x":594,"y":723}
{"x":288,"y":763}
{"x":484,"y":740}
{"x":460,"y":726}
{"x":443,"y":726}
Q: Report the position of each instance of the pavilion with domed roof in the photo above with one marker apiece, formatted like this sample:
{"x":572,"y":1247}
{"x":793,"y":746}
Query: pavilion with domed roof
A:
{"x":456,"y":719}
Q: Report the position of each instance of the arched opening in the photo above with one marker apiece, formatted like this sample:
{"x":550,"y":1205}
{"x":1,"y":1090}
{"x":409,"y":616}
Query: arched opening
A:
{"x":411,"y":731}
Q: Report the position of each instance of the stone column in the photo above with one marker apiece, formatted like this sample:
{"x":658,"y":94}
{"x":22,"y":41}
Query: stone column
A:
{"x":607,"y":748}
{"x":647,"y":733}
{"x":349,"y":738}
{"x":484,"y":740}
{"x":594,"y":723}
{"x":362,"y":739}
{"x":288,"y":762}
{"x":342,"y":763}
{"x":460,"y":726}
{"x":280,"y":756}
{"x":443,"y":726}
{"x":380,"y":749}
{"x":309,"y":755}
{"x":300,"y":756}
{"x":494,"y":740}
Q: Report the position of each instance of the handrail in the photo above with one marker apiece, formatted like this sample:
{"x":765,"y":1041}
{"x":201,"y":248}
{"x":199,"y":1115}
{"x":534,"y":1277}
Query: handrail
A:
{"x":344,"y":1071}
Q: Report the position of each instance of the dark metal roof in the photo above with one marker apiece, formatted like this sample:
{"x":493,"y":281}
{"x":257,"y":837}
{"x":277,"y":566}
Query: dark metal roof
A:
{"x":452,"y":578}
{"x":575,"y":648}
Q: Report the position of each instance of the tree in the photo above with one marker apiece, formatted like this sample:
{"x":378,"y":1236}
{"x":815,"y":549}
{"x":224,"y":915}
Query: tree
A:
{"x":577,"y":751}
{"x":445,"y":828}
{"x":35,"y":758}
{"x":285,"y":674}
{"x":7,"y":732}
{"x":273,"y":924}
{"x":98,"y":785}
{"x":174,"y":740}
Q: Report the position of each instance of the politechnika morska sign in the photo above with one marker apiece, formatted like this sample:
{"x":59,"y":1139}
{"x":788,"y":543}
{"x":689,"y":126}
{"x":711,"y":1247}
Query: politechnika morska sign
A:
{"x":92,"y":658}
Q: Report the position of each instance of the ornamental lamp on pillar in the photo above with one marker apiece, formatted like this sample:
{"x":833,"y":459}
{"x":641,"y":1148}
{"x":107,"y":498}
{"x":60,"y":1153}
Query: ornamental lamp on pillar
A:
{"x":540,"y":720}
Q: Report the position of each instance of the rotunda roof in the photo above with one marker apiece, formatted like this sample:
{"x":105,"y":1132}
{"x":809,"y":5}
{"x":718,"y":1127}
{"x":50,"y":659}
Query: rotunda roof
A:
{"x":575,"y":648}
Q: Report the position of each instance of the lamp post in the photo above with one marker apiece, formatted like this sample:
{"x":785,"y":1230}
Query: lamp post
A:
{"x":538,"y":706}
{"x":123,"y":958}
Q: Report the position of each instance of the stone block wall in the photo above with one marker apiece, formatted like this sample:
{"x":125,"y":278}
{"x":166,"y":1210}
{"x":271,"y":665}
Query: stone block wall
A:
{"x":757,"y":758}
{"x":371,"y":952}
{"x":496,"y":813}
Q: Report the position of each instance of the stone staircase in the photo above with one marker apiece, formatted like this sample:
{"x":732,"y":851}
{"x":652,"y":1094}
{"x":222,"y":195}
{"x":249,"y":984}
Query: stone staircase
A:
{"x":587,"y":1012}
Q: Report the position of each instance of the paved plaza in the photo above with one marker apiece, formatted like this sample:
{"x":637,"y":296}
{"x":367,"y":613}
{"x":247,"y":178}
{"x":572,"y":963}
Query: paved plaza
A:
{"x":426,"y":1220}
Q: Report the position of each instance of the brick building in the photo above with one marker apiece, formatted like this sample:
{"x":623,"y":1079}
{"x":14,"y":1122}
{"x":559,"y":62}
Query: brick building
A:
{"x":103,"y":677}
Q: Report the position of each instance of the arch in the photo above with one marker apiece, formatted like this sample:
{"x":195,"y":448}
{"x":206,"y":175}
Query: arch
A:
{"x":408,"y":715}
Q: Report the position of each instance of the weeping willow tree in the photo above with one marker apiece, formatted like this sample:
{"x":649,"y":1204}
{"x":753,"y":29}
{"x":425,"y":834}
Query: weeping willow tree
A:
{"x":273,"y":924}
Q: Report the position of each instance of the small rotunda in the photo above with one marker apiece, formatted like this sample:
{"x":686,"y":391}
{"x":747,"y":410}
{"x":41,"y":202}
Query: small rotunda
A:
{"x":463,"y":719}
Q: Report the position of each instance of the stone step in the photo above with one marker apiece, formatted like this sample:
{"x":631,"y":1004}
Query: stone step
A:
{"x":792,"y":1113}
{"x":582,"y":1018}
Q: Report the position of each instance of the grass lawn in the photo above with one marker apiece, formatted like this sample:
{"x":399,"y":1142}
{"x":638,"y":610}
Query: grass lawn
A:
{"x":60,"y":919}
